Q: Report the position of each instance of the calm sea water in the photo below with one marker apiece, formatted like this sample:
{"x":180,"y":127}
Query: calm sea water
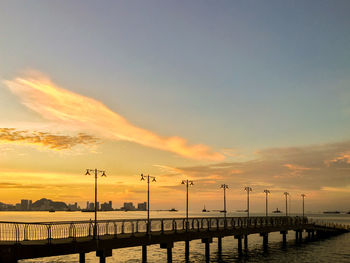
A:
{"x":335,"y":249}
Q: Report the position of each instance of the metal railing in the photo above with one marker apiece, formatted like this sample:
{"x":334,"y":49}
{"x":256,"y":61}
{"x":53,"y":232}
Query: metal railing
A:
{"x":24,"y":231}
{"x":328,"y":224}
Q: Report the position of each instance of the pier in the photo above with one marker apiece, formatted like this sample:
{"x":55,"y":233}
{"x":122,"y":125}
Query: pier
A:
{"x":22,"y":240}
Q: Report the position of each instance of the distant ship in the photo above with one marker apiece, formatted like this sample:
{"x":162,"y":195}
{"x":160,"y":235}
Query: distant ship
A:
{"x":242,"y":211}
{"x":331,"y":212}
{"x":205,"y":210}
{"x":277,"y":211}
{"x":172,"y":210}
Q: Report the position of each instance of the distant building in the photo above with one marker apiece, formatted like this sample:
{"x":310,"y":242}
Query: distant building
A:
{"x":107,"y":206}
{"x":128,"y":206}
{"x":142,"y":206}
{"x":73,"y":207}
{"x":26,"y":205}
{"x":91,"y":206}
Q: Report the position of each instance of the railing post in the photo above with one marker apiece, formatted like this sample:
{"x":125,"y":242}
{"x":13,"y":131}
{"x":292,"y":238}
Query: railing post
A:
{"x":49,"y":233}
{"x":25,"y":234}
{"x":162,"y":226}
{"x":115,"y":230}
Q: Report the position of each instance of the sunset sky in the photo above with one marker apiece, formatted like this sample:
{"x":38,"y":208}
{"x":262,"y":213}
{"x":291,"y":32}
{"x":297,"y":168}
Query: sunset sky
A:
{"x":247,"y":93}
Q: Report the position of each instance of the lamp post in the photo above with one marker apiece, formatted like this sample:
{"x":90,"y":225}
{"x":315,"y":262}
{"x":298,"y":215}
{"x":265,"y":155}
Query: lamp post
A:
{"x":267,"y":193}
{"x":303,"y":196}
{"x":248,"y":189}
{"x":187,"y":183}
{"x":143,"y":177}
{"x":286,"y":195}
{"x":96,"y":172}
{"x":224,"y":186}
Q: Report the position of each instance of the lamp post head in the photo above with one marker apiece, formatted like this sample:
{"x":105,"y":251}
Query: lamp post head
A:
{"x":266,"y":191}
{"x":154,"y":179}
{"x":191,"y":182}
{"x":183,"y":182}
{"x":248,"y":189}
{"x":224,"y":186}
{"x":286,"y":193}
{"x":303,"y":195}
{"x":104,"y":174}
{"x":142,"y":177}
{"x":87,"y":172}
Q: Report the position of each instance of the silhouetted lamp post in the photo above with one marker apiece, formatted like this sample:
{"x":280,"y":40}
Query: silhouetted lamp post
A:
{"x":286,"y":195}
{"x":96,"y":172}
{"x":187,"y":183}
{"x":303,"y":196}
{"x":248,"y":189}
{"x":267,"y":193}
{"x":224,"y":186}
{"x":143,"y":177}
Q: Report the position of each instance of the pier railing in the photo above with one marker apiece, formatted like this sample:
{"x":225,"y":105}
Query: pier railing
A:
{"x":25,"y":231}
{"x":328,"y":224}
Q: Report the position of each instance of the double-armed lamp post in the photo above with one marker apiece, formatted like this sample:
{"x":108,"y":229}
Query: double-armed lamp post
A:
{"x":96,"y":172}
{"x":153,"y":179}
{"x":248,"y":189}
{"x":303,"y":196}
{"x":224,"y":186}
{"x":267,"y":193}
{"x":286,"y":195}
{"x":187,"y":183}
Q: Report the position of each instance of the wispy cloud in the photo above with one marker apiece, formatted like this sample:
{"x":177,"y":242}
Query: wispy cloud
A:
{"x":51,"y":141}
{"x":293,"y":169}
{"x":54,"y":103}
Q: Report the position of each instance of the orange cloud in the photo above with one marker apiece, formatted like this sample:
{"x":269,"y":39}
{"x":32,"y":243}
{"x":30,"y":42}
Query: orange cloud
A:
{"x":54,"y":103}
{"x":52,"y":141}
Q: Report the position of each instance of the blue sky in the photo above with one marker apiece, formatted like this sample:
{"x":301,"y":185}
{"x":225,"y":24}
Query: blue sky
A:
{"x":243,"y":75}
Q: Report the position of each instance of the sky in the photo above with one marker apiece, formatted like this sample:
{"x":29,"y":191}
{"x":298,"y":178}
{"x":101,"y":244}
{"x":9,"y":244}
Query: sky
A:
{"x":246,"y":93}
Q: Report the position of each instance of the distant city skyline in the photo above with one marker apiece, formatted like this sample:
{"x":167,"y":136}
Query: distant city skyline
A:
{"x":232,"y":92}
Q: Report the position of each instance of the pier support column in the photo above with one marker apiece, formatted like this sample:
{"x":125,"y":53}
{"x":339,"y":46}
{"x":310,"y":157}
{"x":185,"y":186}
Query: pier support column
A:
{"x":81,"y":257}
{"x":207,"y":242}
{"x":313,"y":234}
{"x":102,"y":254}
{"x":284,"y":237}
{"x":308,"y":235}
{"x":144,"y":253}
{"x":296,"y":236}
{"x":245,"y":243}
{"x":239,"y":239}
{"x":300,"y":235}
{"x":187,"y":250}
{"x":265,"y":240}
{"x":219,"y":245}
{"x":169,"y":250}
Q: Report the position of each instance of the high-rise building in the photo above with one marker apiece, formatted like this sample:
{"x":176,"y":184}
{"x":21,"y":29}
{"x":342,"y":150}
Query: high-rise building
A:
{"x":142,"y":206}
{"x":128,"y":206}
{"x":24,"y":204}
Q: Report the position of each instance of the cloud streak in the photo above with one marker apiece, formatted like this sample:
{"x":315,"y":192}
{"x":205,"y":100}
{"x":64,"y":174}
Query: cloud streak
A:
{"x":60,"y":105}
{"x":51,"y":141}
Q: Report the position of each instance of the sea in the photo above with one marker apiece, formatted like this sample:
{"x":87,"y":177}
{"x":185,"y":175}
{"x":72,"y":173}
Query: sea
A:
{"x":334,"y":249}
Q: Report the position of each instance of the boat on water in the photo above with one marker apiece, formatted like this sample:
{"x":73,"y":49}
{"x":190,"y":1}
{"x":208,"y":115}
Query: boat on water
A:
{"x":242,"y":211}
{"x":277,"y":211}
{"x":172,"y":210}
{"x":331,"y":212}
{"x":205,"y":210}
{"x":52,"y":211}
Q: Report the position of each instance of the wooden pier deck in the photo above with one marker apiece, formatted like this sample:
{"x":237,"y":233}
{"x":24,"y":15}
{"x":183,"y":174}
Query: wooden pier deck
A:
{"x":21,"y":240}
